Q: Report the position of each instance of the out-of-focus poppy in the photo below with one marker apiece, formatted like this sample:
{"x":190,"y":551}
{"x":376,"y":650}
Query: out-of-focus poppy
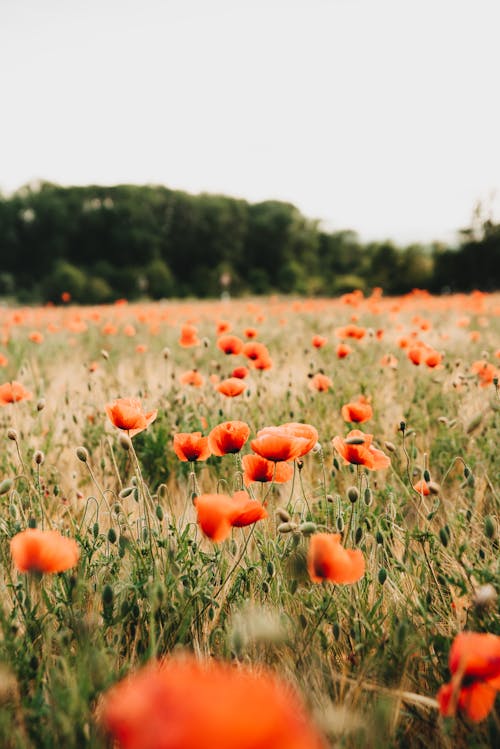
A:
{"x":127,"y":414}
{"x":231,"y":387}
{"x":191,"y":446}
{"x":357,"y":448}
{"x":474,"y":662}
{"x":36,"y":336}
{"x":230,"y":344}
{"x":318,"y":341}
{"x":214,"y":515}
{"x":240,"y":373}
{"x":246,"y":510}
{"x":13,"y":392}
{"x":256,"y":468}
{"x":228,"y":437}
{"x":351,"y":331}
{"x":189,"y":336}
{"x":343,"y":350}
{"x":320,"y":382}
{"x":328,"y":560}
{"x":182,"y":703}
{"x":34,"y":550}
{"x":193,"y":378}
{"x":485,"y":371}
{"x":357,"y":411}
{"x":422,"y":487}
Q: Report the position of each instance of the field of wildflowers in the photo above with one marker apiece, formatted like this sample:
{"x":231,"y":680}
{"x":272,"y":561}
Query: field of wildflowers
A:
{"x":251,"y":524}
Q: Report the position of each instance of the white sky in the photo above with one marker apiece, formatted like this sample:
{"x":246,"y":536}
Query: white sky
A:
{"x":378,"y":115}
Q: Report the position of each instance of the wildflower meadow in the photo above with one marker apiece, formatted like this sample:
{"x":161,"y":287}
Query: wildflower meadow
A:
{"x":265,"y":523}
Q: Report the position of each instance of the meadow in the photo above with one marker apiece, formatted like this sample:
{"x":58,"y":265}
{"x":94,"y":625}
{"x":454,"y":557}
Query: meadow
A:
{"x":345,"y":573}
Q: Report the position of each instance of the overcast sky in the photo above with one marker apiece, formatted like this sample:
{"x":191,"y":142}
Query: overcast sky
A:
{"x":378,"y":115}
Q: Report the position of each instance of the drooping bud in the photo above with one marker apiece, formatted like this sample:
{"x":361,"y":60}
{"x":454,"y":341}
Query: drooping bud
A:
{"x":39,"y":457}
{"x":82,"y":454}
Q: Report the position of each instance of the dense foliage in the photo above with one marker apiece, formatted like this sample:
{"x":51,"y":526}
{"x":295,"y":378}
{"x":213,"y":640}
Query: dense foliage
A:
{"x":100,"y":243}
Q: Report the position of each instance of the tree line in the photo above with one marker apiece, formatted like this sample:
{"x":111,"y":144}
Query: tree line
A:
{"x":101,"y":243}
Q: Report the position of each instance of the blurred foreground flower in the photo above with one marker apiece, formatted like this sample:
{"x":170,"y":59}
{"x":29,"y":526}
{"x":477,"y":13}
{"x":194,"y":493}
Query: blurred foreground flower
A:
{"x":475,"y":667}
{"x":180,"y":703}
{"x":13,"y":392}
{"x":328,"y":560}
{"x":34,"y":550}
{"x":218,"y":513}
{"x":127,"y":414}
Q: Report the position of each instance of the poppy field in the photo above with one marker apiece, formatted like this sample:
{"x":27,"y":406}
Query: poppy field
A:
{"x":251,"y":524}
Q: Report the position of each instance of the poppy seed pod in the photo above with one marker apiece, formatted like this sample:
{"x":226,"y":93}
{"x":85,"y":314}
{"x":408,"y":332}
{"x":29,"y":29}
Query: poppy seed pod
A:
{"x":12,"y":435}
{"x":40,"y":405}
{"x":39,"y":457}
{"x":82,"y":454}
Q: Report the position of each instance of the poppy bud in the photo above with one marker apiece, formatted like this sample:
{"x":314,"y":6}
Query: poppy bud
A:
{"x":12,"y":435}
{"x":353,"y":494}
{"x":474,"y":423}
{"x":283,"y":514}
{"x":427,"y":475}
{"x":444,"y":536}
{"x":390,"y":446}
{"x":382,"y":575}
{"x":308,"y":528}
{"x":287,"y":527}
{"x":39,"y":457}
{"x":489,"y":527}
{"x":368,"y":497}
{"x":112,"y":536}
{"x":104,"y":354}
{"x":82,"y":454}
{"x":159,"y":513}
{"x":125,"y":441}
{"x":40,"y":405}
{"x":340,"y":523}
{"x":402,"y":426}
{"x":5,"y":486}
{"x":126,"y":492}
{"x":358,"y":535}
{"x":166,"y":352}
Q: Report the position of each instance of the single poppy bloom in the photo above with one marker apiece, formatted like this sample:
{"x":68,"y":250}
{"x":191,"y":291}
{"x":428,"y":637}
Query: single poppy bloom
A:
{"x":416,"y":354}
{"x":357,"y":448}
{"x":351,"y":331}
{"x":278,"y":445}
{"x":250,"y":332}
{"x":184,"y":703}
{"x":328,"y":560}
{"x":318,"y":341}
{"x":296,"y":429}
{"x":254,"y":350}
{"x":320,"y":382}
{"x":256,"y":468}
{"x":141,"y":348}
{"x":433,"y":358}
{"x":228,"y":437}
{"x":191,"y":446}
{"x":214,"y":512}
{"x":231,"y":387}
{"x":127,"y":414}
{"x":34,"y":550}
{"x":192,"y":377}
{"x":13,"y":392}
{"x":109,"y":329}
{"x":343,"y":350}
{"x":222,"y":326}
{"x":240,"y":373}
{"x":422,"y":487}
{"x":230,"y":344}
{"x":36,"y":337}
{"x":262,"y":363}
{"x":485,"y":371}
{"x":189,"y":336}
{"x":129,"y":331}
{"x":246,"y":510}
{"x":357,"y":411}
{"x":65,"y":297}
{"x":474,"y":662}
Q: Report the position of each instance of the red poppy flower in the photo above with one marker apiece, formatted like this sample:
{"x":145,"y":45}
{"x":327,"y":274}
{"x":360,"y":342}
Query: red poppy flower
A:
{"x":240,"y":373}
{"x":357,"y":448}
{"x":246,"y":511}
{"x":254,"y":350}
{"x":36,"y":337}
{"x":256,"y":468}
{"x":183,"y":703}
{"x":422,"y":487}
{"x":127,"y":414}
{"x":318,"y":341}
{"x":189,"y":336}
{"x":320,"y":382}
{"x":485,"y":371}
{"x":223,"y":326}
{"x":228,"y":437}
{"x":250,"y":332}
{"x":13,"y":392}
{"x":191,"y":446}
{"x":192,"y":377}
{"x":230,"y":344}
{"x":214,"y":513}
{"x":350,"y":331}
{"x":357,"y":411}
{"x":343,"y":350}
{"x":34,"y":550}
{"x":295,"y":429}
{"x":231,"y":387}
{"x":475,"y":667}
{"x":432,"y":358}
{"x":328,"y":560}
{"x":278,"y":445}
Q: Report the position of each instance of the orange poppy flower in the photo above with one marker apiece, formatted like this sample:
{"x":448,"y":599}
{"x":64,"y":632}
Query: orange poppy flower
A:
{"x":250,"y":332}
{"x":34,"y":550}
{"x":240,"y":373}
{"x":189,"y":336}
{"x":13,"y":392}
{"x":66,"y":297}
{"x":231,"y":387}
{"x":36,"y":337}
{"x":296,"y":429}
{"x":416,"y":354}
{"x":3,"y":360}
{"x":350,"y":331}
{"x":320,"y":382}
{"x":256,"y":468}
{"x":357,"y":411}
{"x":192,"y":377}
{"x":485,"y":371}
{"x":183,"y":703}
{"x":328,"y":560}
{"x":214,"y":512}
{"x":357,"y":448}
{"x":263,"y":362}
{"x":254,"y":350}
{"x":230,"y":344}
{"x":127,"y":414}
{"x":129,"y":331}
{"x":389,"y":360}
{"x":433,"y":358}
{"x":318,"y":341}
{"x":343,"y":350}
{"x":222,"y":326}
{"x":228,"y":437}
{"x":191,"y":446}
{"x":278,"y":445}
{"x":422,"y":487}
{"x":474,"y":662}
{"x":246,"y":511}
